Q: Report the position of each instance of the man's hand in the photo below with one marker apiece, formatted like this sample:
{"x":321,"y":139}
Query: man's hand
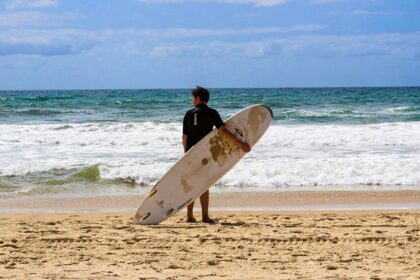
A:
{"x":245,"y":147}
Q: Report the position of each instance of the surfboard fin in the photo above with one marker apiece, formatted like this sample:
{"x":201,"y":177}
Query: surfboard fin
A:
{"x":169,"y":211}
{"x":142,"y":218}
{"x":152,"y":193}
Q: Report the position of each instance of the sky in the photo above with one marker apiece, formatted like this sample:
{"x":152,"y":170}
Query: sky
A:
{"x":134,"y":44}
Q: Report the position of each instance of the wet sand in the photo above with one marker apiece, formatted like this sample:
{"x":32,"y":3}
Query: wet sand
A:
{"x":241,"y":245}
{"x":226,"y":201}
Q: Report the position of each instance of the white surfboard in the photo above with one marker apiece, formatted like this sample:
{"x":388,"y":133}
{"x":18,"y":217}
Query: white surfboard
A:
{"x":202,"y":166}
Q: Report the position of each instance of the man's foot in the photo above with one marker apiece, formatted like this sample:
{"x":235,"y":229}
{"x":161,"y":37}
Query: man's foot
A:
{"x":207,"y":220}
{"x":191,"y":220}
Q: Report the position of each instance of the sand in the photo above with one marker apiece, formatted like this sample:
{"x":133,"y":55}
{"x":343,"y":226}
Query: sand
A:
{"x":241,"y":245}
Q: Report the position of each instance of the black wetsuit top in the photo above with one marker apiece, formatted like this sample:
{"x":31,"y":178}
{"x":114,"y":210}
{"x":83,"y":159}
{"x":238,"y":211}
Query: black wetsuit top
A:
{"x":198,"y":122}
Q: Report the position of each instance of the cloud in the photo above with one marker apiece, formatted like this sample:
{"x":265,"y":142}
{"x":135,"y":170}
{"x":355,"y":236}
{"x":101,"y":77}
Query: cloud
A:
{"x":380,"y":13}
{"x":51,"y":49}
{"x":338,"y":1}
{"x":23,"y":18}
{"x":125,"y":41}
{"x":372,"y":13}
{"x":44,"y":43}
{"x":30,"y":4}
{"x":216,"y":49}
{"x":192,"y":32}
{"x":324,"y":1}
{"x":372,"y":45}
{"x":314,"y":46}
{"x":71,"y":41}
{"x":257,"y":3}
{"x":33,"y":18}
{"x":249,"y":15}
{"x":285,"y":42}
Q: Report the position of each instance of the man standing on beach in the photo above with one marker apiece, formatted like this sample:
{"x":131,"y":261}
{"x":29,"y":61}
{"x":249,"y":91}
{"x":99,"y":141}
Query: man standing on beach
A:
{"x":198,"y":122}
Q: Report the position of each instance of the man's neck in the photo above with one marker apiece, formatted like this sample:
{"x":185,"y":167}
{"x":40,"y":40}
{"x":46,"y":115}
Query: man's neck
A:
{"x":201,"y":104}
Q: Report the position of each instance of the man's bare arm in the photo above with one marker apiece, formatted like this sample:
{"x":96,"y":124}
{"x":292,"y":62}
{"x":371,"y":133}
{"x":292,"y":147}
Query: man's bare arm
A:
{"x":184,"y":142}
{"x":244,"y":146}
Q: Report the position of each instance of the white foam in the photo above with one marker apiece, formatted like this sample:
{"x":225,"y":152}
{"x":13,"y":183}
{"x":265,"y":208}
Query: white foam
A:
{"x":290,"y":156}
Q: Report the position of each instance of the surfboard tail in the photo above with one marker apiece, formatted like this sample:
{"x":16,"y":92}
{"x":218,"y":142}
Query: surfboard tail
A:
{"x":269,"y":109}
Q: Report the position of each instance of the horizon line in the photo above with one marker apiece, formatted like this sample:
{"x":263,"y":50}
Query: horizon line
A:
{"x":211,"y":88}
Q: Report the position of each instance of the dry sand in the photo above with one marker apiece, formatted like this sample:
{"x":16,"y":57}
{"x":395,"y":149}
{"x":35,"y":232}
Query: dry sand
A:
{"x":242,"y":245}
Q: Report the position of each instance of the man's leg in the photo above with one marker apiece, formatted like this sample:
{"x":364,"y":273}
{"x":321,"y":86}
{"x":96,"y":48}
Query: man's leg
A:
{"x":204,"y":200}
{"x":190,"y":215}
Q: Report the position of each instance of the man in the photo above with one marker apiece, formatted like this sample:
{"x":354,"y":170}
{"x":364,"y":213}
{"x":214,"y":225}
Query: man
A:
{"x":198,"y":122}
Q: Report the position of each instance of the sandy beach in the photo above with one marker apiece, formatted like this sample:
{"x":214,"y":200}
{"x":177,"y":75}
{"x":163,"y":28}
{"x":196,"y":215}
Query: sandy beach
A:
{"x":225,"y":201}
{"x":380,"y":244}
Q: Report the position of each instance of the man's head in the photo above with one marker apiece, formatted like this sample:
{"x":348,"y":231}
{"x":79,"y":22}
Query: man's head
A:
{"x":200,"y":95}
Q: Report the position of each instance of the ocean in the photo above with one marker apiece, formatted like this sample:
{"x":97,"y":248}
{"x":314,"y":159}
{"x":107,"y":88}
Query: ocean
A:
{"x":105,"y":142}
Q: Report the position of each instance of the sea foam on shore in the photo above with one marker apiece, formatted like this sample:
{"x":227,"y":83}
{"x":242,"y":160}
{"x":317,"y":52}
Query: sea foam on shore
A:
{"x":86,"y":157}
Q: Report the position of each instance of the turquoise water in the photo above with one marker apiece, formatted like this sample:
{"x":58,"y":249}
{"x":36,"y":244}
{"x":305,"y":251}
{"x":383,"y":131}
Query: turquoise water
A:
{"x":90,"y":142}
{"x":294,"y":106}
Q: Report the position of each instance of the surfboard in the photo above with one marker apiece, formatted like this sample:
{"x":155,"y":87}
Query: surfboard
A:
{"x":202,"y":166}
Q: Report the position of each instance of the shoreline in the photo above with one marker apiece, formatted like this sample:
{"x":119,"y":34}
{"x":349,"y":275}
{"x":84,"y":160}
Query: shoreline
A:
{"x":228,"y":201}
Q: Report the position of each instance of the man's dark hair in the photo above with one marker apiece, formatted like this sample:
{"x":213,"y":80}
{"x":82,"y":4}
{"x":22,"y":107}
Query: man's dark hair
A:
{"x":202,"y":93}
